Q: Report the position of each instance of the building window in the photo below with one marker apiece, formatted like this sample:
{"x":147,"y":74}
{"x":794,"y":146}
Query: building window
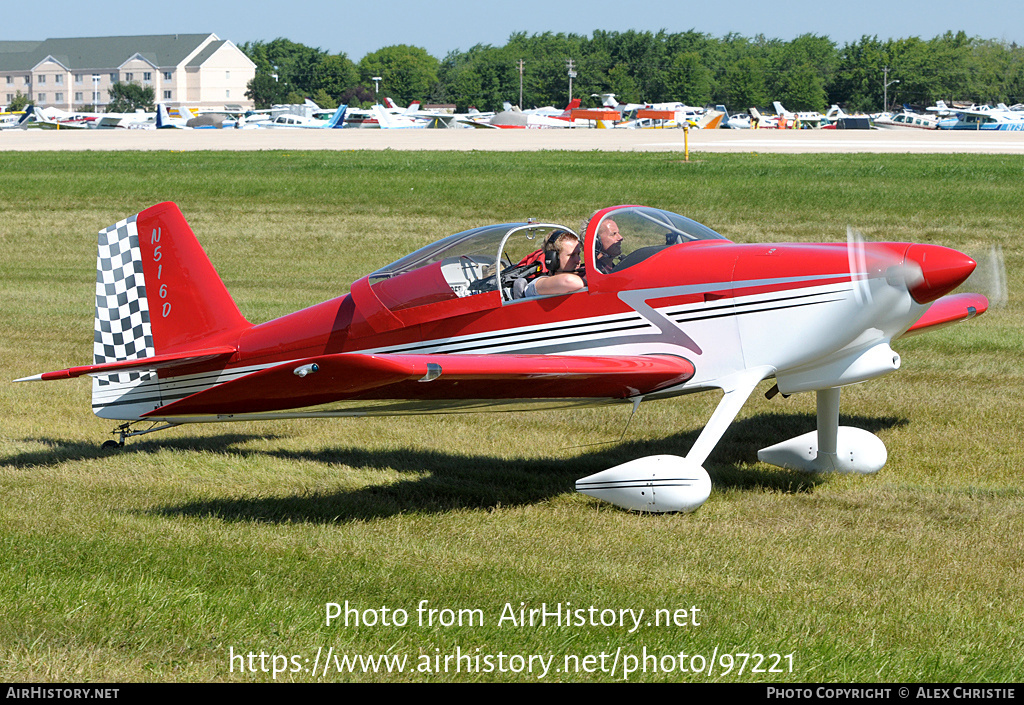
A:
{"x":10,"y":80}
{"x":59,"y":79}
{"x":128,"y":77}
{"x":78,"y":97}
{"x":167,"y":75}
{"x":41,"y":97}
{"x":28,"y":80}
{"x":58,"y":97}
{"x":227,"y":75}
{"x":147,"y":76}
{"x":227,"y":94}
{"x":41,"y":80}
{"x":113,"y":78}
{"x":167,"y":95}
{"x":78,"y":78}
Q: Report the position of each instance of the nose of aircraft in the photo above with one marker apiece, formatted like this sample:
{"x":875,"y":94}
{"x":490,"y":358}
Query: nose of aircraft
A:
{"x":942,"y":270}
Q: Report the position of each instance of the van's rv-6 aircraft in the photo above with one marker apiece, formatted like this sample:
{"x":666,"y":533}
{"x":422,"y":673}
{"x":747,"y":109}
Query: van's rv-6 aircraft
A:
{"x":669,"y":308}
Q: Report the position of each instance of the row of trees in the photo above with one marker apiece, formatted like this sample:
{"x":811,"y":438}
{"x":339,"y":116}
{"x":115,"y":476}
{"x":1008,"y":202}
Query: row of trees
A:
{"x":807,"y":73}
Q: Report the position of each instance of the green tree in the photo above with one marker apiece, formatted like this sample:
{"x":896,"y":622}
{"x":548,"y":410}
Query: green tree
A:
{"x":407,"y":73}
{"x":333,"y":75}
{"x":800,"y":71}
{"x":860,"y":75}
{"x":623,"y":85}
{"x":284,"y":68}
{"x":744,"y":85}
{"x":264,"y":91}
{"x":930,"y":70}
{"x":18,"y":102}
{"x":546,"y":76}
{"x":324,"y":99}
{"x":482,"y":77}
{"x":129,"y":97}
{"x":289,"y":61}
{"x":689,"y":80}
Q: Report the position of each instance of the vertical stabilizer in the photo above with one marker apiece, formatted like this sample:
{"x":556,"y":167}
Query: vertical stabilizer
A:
{"x":156,"y":293}
{"x":337,"y":120}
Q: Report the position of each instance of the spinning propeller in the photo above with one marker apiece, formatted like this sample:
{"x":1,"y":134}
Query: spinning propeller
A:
{"x":989,"y":278}
{"x":928,"y":272}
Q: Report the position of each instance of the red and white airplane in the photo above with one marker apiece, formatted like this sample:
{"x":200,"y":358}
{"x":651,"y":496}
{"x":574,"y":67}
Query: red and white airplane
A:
{"x":670,"y":307}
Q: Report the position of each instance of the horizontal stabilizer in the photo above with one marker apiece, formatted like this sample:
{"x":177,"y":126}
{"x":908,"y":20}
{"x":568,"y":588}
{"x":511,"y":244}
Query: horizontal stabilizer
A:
{"x":355,"y":376}
{"x":949,"y":310}
{"x":148,"y":363}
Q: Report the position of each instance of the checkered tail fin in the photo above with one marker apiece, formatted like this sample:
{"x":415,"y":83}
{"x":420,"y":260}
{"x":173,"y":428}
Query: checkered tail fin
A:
{"x":156,"y":294}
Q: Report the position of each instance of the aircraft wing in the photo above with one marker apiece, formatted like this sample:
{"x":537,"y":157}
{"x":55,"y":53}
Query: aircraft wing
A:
{"x":355,"y":376}
{"x":949,"y":310}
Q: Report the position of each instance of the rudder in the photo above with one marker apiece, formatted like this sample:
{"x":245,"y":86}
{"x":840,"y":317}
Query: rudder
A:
{"x":156,"y":293}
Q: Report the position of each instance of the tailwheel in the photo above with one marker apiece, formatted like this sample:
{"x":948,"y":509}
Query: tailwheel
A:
{"x":127,"y":430}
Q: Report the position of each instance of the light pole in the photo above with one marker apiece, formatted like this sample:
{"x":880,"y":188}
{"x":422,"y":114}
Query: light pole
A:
{"x":885,"y":88}
{"x":376,"y":86}
{"x":521,"y":62}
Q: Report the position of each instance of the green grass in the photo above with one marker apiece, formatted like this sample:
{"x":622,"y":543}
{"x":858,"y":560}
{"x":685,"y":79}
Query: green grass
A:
{"x":156,"y":562}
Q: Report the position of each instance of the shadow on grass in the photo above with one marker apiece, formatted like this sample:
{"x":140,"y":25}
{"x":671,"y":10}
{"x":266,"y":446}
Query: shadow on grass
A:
{"x":59,"y":451}
{"x":438,"y":481}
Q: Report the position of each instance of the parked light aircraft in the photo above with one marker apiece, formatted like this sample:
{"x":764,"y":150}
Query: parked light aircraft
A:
{"x":398,"y":121}
{"x":55,"y":119}
{"x":669,"y":307}
{"x":15,"y":120}
{"x":368,"y":118}
{"x":687,"y":112}
{"x":984,"y":117}
{"x":740,"y":121}
{"x":289,"y":121}
{"x":805,"y":119}
{"x":906,"y":119}
{"x":166,"y":121}
{"x":514,"y":118}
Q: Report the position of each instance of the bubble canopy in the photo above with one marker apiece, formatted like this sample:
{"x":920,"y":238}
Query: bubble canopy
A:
{"x":485,"y":259}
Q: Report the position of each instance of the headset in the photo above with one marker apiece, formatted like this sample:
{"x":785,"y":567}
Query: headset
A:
{"x":551,"y":255}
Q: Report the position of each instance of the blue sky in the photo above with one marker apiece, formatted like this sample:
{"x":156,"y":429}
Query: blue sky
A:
{"x":441,"y":26}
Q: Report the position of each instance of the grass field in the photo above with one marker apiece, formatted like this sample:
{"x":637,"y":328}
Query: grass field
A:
{"x":163,"y":560}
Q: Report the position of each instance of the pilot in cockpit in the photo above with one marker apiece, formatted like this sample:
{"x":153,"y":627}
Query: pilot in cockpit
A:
{"x":561,"y":257}
{"x":607,"y":247}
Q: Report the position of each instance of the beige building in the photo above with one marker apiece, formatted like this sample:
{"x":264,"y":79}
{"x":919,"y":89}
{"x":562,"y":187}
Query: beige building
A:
{"x":197,"y":70}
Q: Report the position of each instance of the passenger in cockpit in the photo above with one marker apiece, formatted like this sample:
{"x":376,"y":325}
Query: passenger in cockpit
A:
{"x":562,"y":261}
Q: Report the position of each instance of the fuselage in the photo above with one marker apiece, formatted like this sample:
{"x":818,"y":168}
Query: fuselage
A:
{"x":667,"y":306}
{"x":720,"y":305}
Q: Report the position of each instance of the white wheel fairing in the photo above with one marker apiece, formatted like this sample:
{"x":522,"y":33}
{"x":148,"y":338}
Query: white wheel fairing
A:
{"x":656,"y":483}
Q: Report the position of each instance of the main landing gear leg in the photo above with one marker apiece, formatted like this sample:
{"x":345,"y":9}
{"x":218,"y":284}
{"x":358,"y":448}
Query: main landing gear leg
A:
{"x":668,"y":483}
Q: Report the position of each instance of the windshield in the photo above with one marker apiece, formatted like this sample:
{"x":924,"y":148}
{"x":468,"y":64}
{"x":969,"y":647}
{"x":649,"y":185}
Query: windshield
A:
{"x":460,"y":265}
{"x":478,"y":242}
{"x":630,"y":234}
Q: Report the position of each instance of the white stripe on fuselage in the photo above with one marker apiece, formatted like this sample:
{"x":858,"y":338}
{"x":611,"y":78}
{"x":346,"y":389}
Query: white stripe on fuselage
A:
{"x":570,"y":335}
